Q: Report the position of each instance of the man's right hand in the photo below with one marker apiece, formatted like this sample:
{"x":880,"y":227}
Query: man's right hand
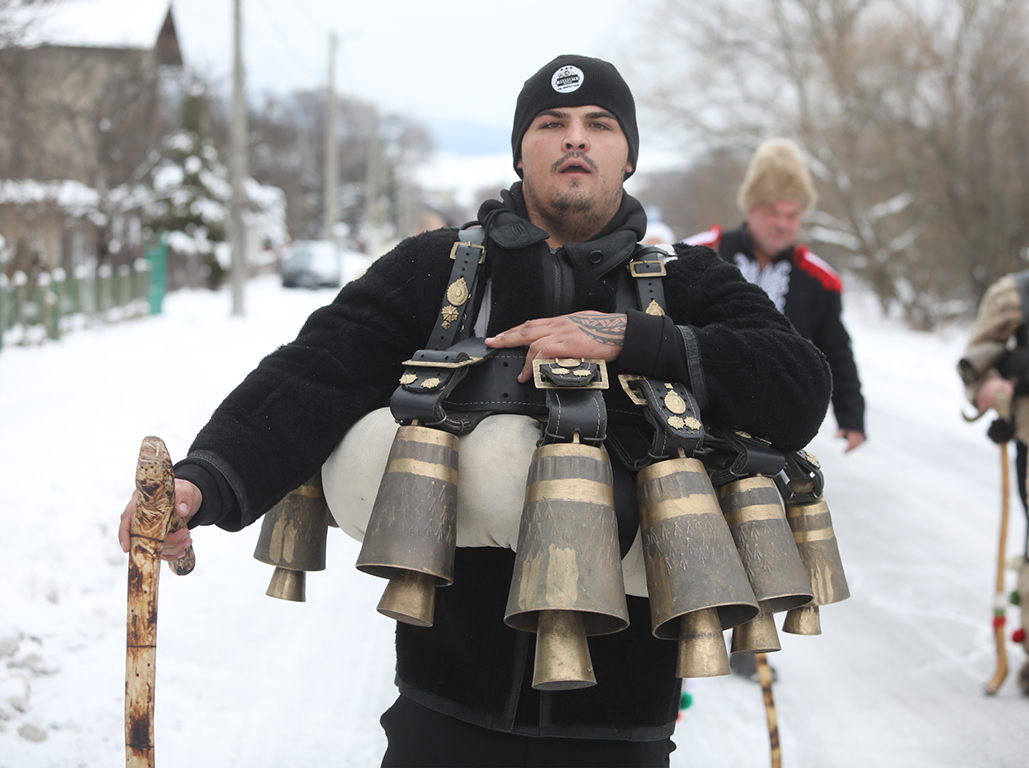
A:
{"x":187,"y":502}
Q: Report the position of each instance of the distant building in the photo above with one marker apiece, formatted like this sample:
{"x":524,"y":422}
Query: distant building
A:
{"x":79,"y":119}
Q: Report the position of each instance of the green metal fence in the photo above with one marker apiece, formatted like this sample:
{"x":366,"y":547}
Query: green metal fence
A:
{"x":54,"y":303}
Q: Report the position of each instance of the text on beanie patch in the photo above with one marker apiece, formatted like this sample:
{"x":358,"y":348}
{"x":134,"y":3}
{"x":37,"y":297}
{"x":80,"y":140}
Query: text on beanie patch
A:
{"x":567,"y":79}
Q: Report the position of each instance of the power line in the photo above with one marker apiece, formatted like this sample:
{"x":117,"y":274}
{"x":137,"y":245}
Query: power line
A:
{"x":317,"y":25}
{"x":294,"y":56}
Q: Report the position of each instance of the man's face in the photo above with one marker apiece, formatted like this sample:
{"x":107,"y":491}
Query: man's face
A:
{"x":573,"y":162}
{"x":774,"y":226}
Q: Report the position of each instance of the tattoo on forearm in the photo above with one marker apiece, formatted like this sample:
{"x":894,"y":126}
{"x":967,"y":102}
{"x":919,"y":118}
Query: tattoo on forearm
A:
{"x":606,"y":329}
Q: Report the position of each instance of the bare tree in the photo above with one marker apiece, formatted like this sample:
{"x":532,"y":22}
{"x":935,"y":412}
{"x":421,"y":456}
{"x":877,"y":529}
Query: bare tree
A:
{"x":912,"y":115}
{"x":16,"y":19}
{"x":674,"y":193}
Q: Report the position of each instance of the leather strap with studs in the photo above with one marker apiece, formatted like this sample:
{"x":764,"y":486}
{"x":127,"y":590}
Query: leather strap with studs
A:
{"x":575,"y":399}
{"x":672,"y":410}
{"x":452,"y":323}
{"x":432,"y":373}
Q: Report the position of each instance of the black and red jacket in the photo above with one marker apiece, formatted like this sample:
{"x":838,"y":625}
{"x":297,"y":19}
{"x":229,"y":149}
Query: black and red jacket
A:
{"x":808,"y":291}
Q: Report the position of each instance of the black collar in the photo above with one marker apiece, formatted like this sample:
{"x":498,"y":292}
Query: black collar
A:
{"x":507,"y":224}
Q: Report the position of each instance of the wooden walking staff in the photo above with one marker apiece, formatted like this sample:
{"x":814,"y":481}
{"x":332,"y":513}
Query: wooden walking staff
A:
{"x":152,"y":521}
{"x":1003,"y":407}
{"x":764,"y":674}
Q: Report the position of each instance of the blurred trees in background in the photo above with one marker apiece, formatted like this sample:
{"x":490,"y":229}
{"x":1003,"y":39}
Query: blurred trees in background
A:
{"x":693,"y":200}
{"x":376,"y":152}
{"x":286,"y":149}
{"x":914,"y":117}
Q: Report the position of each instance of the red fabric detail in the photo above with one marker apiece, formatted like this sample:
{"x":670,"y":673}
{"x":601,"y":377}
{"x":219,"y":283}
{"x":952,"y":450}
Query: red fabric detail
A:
{"x":1018,"y":636}
{"x":710,"y":238}
{"x":998,"y":621}
{"x":818,"y":269}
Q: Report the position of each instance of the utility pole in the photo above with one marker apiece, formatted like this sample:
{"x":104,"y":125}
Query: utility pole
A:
{"x":373,"y":189}
{"x":331,"y":148}
{"x":238,"y":166}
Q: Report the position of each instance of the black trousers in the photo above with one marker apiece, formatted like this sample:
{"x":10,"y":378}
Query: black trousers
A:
{"x":1020,"y":473}
{"x":421,"y":738}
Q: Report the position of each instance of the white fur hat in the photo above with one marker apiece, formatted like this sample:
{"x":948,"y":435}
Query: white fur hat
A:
{"x":777,"y":172}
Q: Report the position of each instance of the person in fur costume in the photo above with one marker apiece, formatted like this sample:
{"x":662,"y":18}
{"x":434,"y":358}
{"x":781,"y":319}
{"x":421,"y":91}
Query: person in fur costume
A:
{"x":995,"y":371}
{"x":774,"y":196}
{"x":556,"y":285}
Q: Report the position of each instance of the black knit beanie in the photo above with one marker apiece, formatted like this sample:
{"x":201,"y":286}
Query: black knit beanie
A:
{"x":575,"y":81}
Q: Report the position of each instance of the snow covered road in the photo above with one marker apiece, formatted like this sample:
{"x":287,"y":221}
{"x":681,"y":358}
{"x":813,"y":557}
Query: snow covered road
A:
{"x":246,"y":681}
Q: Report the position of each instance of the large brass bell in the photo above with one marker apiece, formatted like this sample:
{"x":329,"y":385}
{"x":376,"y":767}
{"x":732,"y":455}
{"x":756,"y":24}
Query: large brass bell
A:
{"x":696,"y":581}
{"x":816,"y":542}
{"x":567,"y":581}
{"x":755,"y":514}
{"x":293,"y":536}
{"x":412,"y":531}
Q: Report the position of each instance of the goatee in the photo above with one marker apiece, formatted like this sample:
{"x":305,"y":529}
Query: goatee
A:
{"x":582,"y":215}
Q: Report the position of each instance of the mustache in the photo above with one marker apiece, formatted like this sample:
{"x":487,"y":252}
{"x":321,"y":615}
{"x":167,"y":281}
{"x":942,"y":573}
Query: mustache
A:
{"x":577,"y":154}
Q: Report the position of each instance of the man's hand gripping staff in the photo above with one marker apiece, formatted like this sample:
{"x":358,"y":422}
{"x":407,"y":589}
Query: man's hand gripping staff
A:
{"x":145,"y":530}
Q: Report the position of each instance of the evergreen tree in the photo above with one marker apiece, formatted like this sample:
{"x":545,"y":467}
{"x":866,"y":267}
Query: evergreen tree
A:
{"x":192,"y":191}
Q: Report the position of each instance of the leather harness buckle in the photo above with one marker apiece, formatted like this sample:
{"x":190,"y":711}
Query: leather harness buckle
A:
{"x":458,"y":244}
{"x":570,"y":373}
{"x":647,"y":269}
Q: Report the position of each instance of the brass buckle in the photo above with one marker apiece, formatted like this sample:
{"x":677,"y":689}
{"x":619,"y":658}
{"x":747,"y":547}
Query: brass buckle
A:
{"x":482,"y":250}
{"x":570,"y":363}
{"x":429,"y":364}
{"x":658,"y":273}
{"x":624,"y":379}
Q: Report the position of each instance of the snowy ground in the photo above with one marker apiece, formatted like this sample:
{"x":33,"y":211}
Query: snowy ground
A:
{"x":247,"y":681}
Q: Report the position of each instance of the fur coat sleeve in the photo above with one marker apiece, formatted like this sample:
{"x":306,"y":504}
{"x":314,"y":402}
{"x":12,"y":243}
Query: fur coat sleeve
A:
{"x":761,"y":376}
{"x":279,"y":425}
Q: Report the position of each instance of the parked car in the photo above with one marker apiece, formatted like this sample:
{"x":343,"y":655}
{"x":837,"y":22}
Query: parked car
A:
{"x":312,"y":264}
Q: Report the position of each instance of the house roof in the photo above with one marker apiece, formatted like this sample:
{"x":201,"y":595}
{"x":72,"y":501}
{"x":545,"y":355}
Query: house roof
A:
{"x":98,"y":23}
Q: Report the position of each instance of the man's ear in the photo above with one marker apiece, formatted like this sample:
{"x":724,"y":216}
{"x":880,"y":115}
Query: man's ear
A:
{"x":628,"y":170}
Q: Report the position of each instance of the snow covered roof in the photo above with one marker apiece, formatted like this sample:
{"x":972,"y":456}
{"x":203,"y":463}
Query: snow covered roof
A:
{"x":97,"y":23}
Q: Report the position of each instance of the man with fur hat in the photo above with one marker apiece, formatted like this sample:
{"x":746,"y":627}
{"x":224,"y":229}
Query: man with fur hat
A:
{"x":556,"y":284}
{"x":774,"y":196}
{"x":995,"y":371}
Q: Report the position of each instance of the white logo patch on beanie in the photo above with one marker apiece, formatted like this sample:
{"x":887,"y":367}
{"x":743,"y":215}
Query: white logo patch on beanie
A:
{"x":567,"y":79}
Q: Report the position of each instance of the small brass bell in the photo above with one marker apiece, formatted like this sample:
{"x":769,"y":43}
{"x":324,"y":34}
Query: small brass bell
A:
{"x":695,"y":577}
{"x":805,"y":620}
{"x":412,"y":531}
{"x":293,"y":537}
{"x":567,"y":580}
{"x":812,"y":529}
{"x":757,"y":635}
{"x":701,"y":645}
{"x":755,"y":514}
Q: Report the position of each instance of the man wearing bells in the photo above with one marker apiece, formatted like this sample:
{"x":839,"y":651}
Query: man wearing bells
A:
{"x":554,"y":284}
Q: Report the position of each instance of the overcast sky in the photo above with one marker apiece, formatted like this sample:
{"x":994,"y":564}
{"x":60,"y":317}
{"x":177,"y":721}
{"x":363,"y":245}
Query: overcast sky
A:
{"x":459,"y":60}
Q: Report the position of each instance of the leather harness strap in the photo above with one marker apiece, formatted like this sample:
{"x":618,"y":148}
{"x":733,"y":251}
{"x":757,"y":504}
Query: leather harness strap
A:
{"x":432,"y":373}
{"x":647,"y":268}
